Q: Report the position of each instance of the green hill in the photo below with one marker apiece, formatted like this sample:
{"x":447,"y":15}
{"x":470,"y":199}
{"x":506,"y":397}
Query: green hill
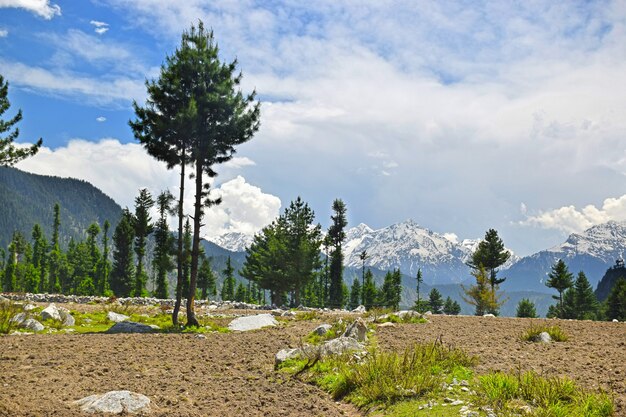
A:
{"x":26,"y":199}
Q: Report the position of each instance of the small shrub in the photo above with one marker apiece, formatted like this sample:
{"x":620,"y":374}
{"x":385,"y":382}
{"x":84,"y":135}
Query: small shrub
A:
{"x":126,"y":308}
{"x":555,"y":332}
{"x":306,"y":316}
{"x":8,"y":310}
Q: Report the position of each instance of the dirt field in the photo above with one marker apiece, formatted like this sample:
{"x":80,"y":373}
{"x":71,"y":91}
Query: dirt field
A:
{"x":232,"y":374}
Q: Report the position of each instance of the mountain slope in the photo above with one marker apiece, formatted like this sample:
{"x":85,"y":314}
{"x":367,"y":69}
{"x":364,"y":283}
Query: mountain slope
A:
{"x":592,"y":251}
{"x":26,"y":199}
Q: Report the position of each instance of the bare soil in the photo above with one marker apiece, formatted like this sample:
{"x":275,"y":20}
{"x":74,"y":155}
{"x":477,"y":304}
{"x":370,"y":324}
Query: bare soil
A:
{"x":233,"y":374}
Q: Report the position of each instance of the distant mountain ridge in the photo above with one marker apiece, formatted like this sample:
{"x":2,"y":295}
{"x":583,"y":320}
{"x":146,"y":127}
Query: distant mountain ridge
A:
{"x":26,"y":199}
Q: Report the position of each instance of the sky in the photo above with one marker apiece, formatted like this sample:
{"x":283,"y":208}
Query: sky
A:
{"x":461,"y":115}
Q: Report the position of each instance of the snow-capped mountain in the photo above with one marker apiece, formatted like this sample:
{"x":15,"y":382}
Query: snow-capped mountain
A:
{"x":592,"y":251}
{"x":472,"y":244}
{"x":233,"y":241}
{"x":408,"y":246}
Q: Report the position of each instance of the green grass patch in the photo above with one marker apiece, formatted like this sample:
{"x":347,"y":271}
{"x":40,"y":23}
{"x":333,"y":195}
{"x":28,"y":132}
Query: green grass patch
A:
{"x":546,"y":397}
{"x":532,"y":333}
{"x":306,"y":316}
{"x":338,"y":328}
{"x":8,"y":310}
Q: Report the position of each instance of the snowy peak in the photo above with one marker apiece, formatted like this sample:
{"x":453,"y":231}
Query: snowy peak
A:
{"x":605,"y":241}
{"x":233,"y":241}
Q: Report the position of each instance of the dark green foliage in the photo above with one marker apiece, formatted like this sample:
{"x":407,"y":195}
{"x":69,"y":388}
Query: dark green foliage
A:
{"x":143,"y":227}
{"x":206,"y":278}
{"x":451,"y":307}
{"x":26,"y":199}
{"x":9,"y":154}
{"x":560,"y":279}
{"x":123,"y":272}
{"x":103,"y":268}
{"x":584,"y":298}
{"x":616,"y":301}
{"x":609,"y":280}
{"x":228,"y":287}
{"x":363,"y":256}
{"x":355,"y":294}
{"x":491,"y":254}
{"x":369,"y":290}
{"x":435,"y":301}
{"x":336,"y":235}
{"x":284,"y":256}
{"x":391,"y":290}
{"x":241,"y":293}
{"x":526,"y":308}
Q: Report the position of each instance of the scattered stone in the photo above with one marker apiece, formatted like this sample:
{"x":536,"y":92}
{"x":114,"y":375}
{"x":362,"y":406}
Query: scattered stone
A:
{"x":543,"y":337}
{"x":32,"y":324}
{"x":428,"y":313}
{"x":115,"y":402}
{"x":29,"y":307}
{"x":246,"y":323}
{"x":200,"y":336}
{"x":385,"y":324}
{"x":66,"y":316}
{"x":3,"y":299}
{"x":130,"y":327}
{"x":357,"y":330}
{"x":285,"y":354}
{"x":408,"y":314}
{"x":340,"y":345}
{"x":19,"y":318}
{"x":360,"y":309}
{"x":322,"y":329}
{"x":488,"y":315}
{"x":615,"y":321}
{"x":51,"y":313}
{"x":116,"y":317}
{"x":289,"y":313}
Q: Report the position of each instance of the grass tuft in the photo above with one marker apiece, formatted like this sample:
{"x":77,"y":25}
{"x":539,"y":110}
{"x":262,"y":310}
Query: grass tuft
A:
{"x":555,"y":332}
{"x":8,"y":310}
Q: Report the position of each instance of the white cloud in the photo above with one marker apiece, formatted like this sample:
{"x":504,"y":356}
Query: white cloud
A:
{"x":570,"y":219}
{"x":3,"y":33}
{"x":452,"y":237}
{"x":120,"y":170}
{"x":101,"y":119}
{"x":239,"y":162}
{"x":41,"y":8}
{"x":100,"y":27}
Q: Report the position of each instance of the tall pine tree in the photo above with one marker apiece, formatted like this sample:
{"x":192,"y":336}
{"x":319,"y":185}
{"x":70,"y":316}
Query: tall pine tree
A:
{"x":143,"y":227}
{"x":123,"y":272}
{"x":337,"y":235}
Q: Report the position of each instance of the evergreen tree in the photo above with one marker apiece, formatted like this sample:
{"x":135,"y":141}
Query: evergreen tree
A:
{"x":187,"y":246}
{"x":435,"y":301}
{"x":241,"y":293}
{"x":228,"y":287}
{"x":491,"y":254}
{"x":616,"y":302}
{"x":40,"y":257}
{"x":55,"y":257}
{"x":419,"y":280}
{"x":206,"y":278}
{"x":123,"y":272}
{"x":369,"y":290}
{"x":9,"y":153}
{"x":103,"y":267}
{"x":163,"y":245}
{"x":90,"y":280}
{"x":448,"y":306}
{"x":363,"y":256}
{"x":355,"y":294}
{"x":143,"y":227}
{"x":481,"y":296}
{"x":392,"y":289}
{"x":337,"y":235}
{"x":560,"y":279}
{"x":586,"y":304}
{"x":526,"y":308}
{"x":196,"y":93}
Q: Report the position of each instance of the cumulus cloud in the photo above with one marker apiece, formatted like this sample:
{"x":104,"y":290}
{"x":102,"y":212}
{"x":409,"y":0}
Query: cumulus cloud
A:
{"x":570,"y":219}
{"x":101,"y":119}
{"x":452,"y":237}
{"x":120,"y":170}
{"x":42,"y":8}
{"x":239,"y":162}
{"x":3,"y":33}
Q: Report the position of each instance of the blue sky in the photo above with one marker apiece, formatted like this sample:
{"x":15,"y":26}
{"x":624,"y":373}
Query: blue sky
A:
{"x":462,"y":115}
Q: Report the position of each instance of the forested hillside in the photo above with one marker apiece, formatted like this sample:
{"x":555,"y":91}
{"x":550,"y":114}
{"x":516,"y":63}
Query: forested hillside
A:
{"x":28,"y":199}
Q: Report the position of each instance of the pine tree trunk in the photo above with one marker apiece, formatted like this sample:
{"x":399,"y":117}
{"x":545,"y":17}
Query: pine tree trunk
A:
{"x":195,"y":250}
{"x":179,"y":252}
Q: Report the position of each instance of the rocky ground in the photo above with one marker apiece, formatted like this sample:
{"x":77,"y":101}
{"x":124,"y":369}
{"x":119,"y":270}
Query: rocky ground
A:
{"x":232,"y":374}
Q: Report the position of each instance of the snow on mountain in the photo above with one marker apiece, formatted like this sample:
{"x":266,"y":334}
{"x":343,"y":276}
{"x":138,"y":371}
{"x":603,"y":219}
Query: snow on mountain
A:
{"x":233,"y":241}
{"x":592,"y":251}
{"x":472,"y":244}
{"x":407,"y":246}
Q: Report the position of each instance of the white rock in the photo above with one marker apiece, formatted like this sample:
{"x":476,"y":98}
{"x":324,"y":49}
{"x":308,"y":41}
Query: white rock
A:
{"x":32,"y":324}
{"x":341,"y":345}
{"x":258,"y":321}
{"x":386,"y":324}
{"x":29,"y":307}
{"x":322,"y":329}
{"x":19,"y":318}
{"x":357,"y":330}
{"x":285,"y":354}
{"x":488,"y":315}
{"x":51,"y":313}
{"x":66,"y":317}
{"x":615,"y":321}
{"x":359,"y":309}
{"x":116,"y":317}
{"x":115,"y":402}
{"x":543,"y":337}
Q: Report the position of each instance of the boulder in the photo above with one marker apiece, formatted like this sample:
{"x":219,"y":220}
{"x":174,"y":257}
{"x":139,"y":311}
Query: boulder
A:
{"x":488,"y":315}
{"x":51,"y":313}
{"x":285,"y":354}
{"x":357,"y":330}
{"x":340,"y":345}
{"x":386,"y":324}
{"x":543,"y":337}
{"x":115,"y":402}
{"x":32,"y":324}
{"x":246,"y":323}
{"x":29,"y":307}
{"x":615,"y":321}
{"x":66,"y":317}
{"x":19,"y":318}
{"x":130,"y":327}
{"x":322,"y":329}
{"x":408,"y":314}
{"x":116,"y":317}
{"x":359,"y":309}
